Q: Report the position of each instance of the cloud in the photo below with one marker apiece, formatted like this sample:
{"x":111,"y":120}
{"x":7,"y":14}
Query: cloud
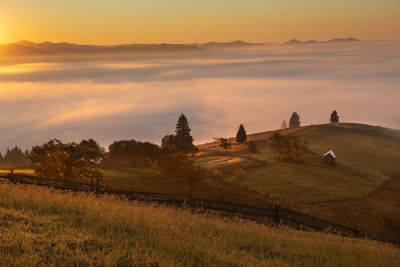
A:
{"x":142,"y":99}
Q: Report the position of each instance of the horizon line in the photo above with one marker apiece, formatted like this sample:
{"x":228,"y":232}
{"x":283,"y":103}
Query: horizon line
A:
{"x":192,"y":42}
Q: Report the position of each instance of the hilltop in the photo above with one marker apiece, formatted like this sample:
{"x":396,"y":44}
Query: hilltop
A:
{"x":358,"y":191}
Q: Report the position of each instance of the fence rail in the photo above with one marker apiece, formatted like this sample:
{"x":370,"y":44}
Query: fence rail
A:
{"x":276,"y":215}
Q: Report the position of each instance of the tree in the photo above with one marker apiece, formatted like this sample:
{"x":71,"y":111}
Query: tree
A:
{"x":15,"y":157}
{"x":177,"y":164}
{"x":168,"y":141}
{"x":252,"y":147}
{"x":292,"y":147}
{"x":277,"y":143}
{"x":297,"y":147}
{"x":225,"y":144}
{"x":334,"y":117}
{"x":283,"y":124}
{"x":241,"y":135}
{"x":294,"y":120}
{"x":132,"y":152}
{"x":71,"y":162}
{"x":183,"y":139}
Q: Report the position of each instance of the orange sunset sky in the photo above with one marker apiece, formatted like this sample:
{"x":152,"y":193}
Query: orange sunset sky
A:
{"x":185,"y":21}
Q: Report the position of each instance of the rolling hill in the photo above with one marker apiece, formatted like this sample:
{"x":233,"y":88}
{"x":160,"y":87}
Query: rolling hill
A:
{"x":360,"y":190}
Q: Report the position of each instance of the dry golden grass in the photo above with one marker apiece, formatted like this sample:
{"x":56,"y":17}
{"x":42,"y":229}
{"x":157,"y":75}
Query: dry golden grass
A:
{"x":41,"y":227}
{"x":22,"y":171}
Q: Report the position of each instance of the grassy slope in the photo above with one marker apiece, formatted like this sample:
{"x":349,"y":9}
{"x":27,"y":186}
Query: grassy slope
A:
{"x":367,"y":157}
{"x":42,"y":227}
{"x":363,"y":162}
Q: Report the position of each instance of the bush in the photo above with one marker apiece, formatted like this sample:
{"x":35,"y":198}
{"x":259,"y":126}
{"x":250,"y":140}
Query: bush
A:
{"x":239,"y":176}
{"x":218,"y":173}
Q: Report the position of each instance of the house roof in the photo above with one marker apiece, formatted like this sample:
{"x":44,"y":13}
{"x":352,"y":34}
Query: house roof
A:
{"x":331,"y":153}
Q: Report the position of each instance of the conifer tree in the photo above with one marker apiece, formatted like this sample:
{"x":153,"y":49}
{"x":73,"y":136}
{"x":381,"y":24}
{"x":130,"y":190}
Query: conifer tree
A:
{"x":183,"y":139}
{"x":283,"y":124}
{"x":241,"y":135}
{"x":294,"y":120}
{"x":334,"y":116}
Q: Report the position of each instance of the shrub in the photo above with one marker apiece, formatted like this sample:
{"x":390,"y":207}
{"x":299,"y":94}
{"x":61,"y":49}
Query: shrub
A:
{"x":218,"y":173}
{"x":239,"y":176}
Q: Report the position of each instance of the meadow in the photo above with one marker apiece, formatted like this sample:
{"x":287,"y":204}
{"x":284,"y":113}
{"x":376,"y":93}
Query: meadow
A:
{"x":44,"y":227}
{"x":359,"y":191}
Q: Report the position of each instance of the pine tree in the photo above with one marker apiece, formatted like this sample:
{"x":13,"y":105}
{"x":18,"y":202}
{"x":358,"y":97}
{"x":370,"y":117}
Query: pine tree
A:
{"x":183,"y":139}
{"x":241,"y":135}
{"x":283,"y":124}
{"x":334,"y":116}
{"x":294,"y":120}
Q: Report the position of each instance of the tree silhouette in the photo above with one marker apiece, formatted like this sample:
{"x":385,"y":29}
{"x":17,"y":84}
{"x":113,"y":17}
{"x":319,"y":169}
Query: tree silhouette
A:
{"x":72,"y":162}
{"x":241,"y":135}
{"x":294,"y":120}
{"x":225,"y":144}
{"x":334,"y":116}
{"x":183,"y":139}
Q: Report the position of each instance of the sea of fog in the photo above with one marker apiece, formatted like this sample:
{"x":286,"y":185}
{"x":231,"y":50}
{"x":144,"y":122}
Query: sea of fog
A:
{"x":141,"y":98}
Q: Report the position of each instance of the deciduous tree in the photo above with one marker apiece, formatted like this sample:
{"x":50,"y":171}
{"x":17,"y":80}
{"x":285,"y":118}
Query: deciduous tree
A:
{"x":334,"y":117}
{"x":225,"y":144}
{"x":71,"y":162}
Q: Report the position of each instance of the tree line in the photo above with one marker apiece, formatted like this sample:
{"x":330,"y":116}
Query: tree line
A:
{"x":14,"y":157}
{"x":80,"y":161}
{"x":83,"y":161}
{"x":285,"y":146}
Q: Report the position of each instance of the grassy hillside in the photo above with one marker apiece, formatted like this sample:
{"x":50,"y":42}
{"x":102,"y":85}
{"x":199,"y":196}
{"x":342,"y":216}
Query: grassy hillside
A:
{"x":44,"y":227}
{"x":368,"y":163}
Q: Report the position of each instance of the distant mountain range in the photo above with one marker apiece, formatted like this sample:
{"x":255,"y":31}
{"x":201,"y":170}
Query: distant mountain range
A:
{"x":48,"y":48}
{"x":22,"y":48}
{"x":336,"y":40}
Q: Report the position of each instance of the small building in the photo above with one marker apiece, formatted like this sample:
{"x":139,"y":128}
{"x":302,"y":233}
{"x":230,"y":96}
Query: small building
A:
{"x":329,"y":157}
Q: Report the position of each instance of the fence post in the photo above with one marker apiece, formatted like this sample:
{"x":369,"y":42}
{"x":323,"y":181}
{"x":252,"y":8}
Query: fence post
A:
{"x":356,"y":232}
{"x":12,"y":175}
{"x":277,"y":212}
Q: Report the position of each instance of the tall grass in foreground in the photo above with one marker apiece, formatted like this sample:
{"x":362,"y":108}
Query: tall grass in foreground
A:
{"x":45,"y":227}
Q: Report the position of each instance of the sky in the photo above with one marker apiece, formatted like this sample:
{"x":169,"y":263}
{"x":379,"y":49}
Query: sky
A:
{"x":186,"y":21}
{"x":142,"y":98}
{"x":122,"y":97}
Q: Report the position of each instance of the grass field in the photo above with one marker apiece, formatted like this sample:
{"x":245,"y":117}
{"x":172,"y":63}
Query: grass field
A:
{"x":42,"y":227}
{"x":367,"y":158}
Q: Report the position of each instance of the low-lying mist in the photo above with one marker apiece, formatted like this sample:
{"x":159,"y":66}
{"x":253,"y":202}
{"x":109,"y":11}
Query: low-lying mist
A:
{"x":114,"y":97}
